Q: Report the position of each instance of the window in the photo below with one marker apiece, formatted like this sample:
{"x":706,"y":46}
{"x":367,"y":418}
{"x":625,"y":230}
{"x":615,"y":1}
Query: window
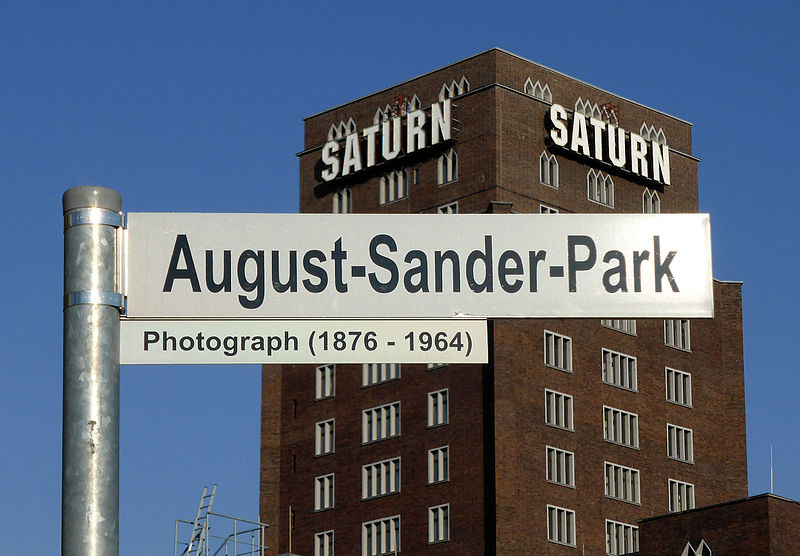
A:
{"x":676,"y":334}
{"x":651,"y":202}
{"x":438,"y":465}
{"x":437,"y":408}
{"x":343,"y":201}
{"x":619,"y":370}
{"x":588,"y":109}
{"x":600,"y":188}
{"x":557,"y":351}
{"x":544,"y":209}
{"x":621,"y":538}
{"x":679,"y":387}
{"x":323,"y":544}
{"x":447,"y":167}
{"x":560,"y":466}
{"x":537,"y":91}
{"x":381,"y":536}
{"x":376,"y":373}
{"x":558,"y":409}
{"x":560,"y":525}
{"x":449,"y":90}
{"x":380,"y":479}
{"x":628,"y":326}
{"x":381,"y":422}
{"x":622,"y":483}
{"x":620,"y":427}
{"x":680,"y":444}
{"x":325,"y":386}
{"x":439,"y":524}
{"x":432,"y":366}
{"x":548,"y":170}
{"x":681,"y":496}
{"x":650,"y":133}
{"x":324,"y":437}
{"x":394,"y":186}
{"x":382,"y":114}
{"x":450,"y":208}
{"x":323,"y":493}
{"x":342,"y":129}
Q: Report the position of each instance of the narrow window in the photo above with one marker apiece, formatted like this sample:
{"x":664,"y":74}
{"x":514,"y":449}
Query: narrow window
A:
{"x":676,"y":334}
{"x":447,"y":167}
{"x":621,"y":427}
{"x":438,"y":465}
{"x":628,"y":326}
{"x":558,"y":351}
{"x":548,"y":170}
{"x":380,"y":423}
{"x":560,"y":466}
{"x":438,"y":413}
{"x":681,"y":496}
{"x":680,"y":443}
{"x":324,"y":437}
{"x":378,"y":373}
{"x":560,"y":525}
{"x":558,"y":409}
{"x":621,"y":538}
{"x":622,"y":483}
{"x":323,"y":493}
{"x":679,"y":387}
{"x":619,"y":370}
{"x":380,"y":478}
{"x":439,"y":524}
{"x":323,"y":544}
{"x":343,"y":201}
{"x":381,"y":536}
{"x":325,"y":382}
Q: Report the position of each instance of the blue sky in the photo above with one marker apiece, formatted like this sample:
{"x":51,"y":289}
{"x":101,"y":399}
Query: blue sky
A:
{"x":198,"y":106}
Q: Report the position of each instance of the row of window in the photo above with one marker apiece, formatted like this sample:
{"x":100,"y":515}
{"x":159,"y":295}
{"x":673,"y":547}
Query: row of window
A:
{"x":621,"y":538}
{"x":676,"y":331}
{"x":372,"y":374}
{"x":381,"y":423}
{"x":382,"y":536}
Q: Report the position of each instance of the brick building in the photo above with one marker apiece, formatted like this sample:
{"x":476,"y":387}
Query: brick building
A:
{"x":576,"y":428}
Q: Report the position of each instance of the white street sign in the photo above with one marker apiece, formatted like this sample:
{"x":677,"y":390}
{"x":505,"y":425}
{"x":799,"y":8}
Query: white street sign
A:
{"x":429,"y":266}
{"x":309,"y":341}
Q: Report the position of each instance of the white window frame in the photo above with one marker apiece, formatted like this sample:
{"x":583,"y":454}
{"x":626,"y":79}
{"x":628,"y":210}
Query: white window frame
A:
{"x":537,"y":91}
{"x":433,"y":366}
{"x":545,"y":209}
{"x":677,"y":334}
{"x":324,"y":492}
{"x":447,"y":167}
{"x":600,"y":188}
{"x":622,"y":483}
{"x":678,"y":386}
{"x":681,"y":495}
{"x":380,"y":423}
{"x":560,"y":466}
{"x":651,"y":202}
{"x":394,"y":186}
{"x":449,"y":208}
{"x":626,"y":326}
{"x":380,"y":478}
{"x":325,"y":382}
{"x":557,"y":351}
{"x":560,"y":525}
{"x":381,"y":536}
{"x":548,"y":170}
{"x":439,"y":524}
{"x":558,"y":410}
{"x":621,"y":538}
{"x":323,"y":543}
{"x":325,"y":437}
{"x":373,"y":374}
{"x":680,"y":443}
{"x":620,"y":427}
{"x":438,"y":408}
{"x":343,"y":201}
{"x":439,"y":465}
{"x":619,"y":369}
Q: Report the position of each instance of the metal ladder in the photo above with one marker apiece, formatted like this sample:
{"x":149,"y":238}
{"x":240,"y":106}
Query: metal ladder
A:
{"x":199,"y":538}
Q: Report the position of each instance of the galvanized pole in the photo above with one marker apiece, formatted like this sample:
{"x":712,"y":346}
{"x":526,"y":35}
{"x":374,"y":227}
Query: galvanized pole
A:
{"x":90,"y":437}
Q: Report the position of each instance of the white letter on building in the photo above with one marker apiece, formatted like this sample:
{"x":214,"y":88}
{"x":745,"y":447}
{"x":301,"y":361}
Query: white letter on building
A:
{"x":558,"y":119}
{"x":415,"y":134}
{"x":638,"y":154}
{"x":331,"y":160}
{"x":352,"y":155}
{"x":440,"y":121}
{"x":580,"y":135}
{"x":660,"y":162}
{"x":616,"y":146}
{"x":390,"y":140}
{"x":598,"y":126}
{"x":370,"y":134}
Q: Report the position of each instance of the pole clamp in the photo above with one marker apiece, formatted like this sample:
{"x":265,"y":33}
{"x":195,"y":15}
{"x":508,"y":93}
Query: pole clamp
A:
{"x":94,"y":297}
{"x":93,"y":215}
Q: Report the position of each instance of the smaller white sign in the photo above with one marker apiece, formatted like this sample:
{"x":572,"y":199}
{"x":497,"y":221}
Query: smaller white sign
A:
{"x":303,"y":341}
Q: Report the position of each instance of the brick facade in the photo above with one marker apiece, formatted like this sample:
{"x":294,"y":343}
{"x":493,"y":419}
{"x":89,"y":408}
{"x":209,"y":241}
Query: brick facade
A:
{"x":498,"y":492}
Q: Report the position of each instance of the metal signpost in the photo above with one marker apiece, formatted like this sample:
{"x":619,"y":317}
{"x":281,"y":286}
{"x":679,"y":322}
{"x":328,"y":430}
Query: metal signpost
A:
{"x":301,"y":288}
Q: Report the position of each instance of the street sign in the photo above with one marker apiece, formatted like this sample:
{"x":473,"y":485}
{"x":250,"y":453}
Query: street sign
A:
{"x":310,"y":341}
{"x":264,"y":266}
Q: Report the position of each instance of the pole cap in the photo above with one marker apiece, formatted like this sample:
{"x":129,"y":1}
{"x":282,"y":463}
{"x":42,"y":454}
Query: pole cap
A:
{"x":91,"y":196}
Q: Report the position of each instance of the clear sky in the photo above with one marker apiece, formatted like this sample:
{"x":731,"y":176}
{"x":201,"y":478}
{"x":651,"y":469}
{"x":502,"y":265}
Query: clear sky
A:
{"x":198,"y":106}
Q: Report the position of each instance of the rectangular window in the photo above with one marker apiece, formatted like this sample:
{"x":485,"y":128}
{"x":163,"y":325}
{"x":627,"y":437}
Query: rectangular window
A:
{"x":628,"y":326}
{"x":439,"y":524}
{"x":377,"y":373}
{"x":676,"y":334}
{"x":381,"y":422}
{"x":450,"y":208}
{"x":558,"y":409}
{"x":557,"y":351}
{"x":621,"y":427}
{"x":680,"y":445}
{"x":560,"y":525}
{"x":380,"y":479}
{"x":619,"y":370}
{"x":324,"y":437}
{"x":621,"y":538}
{"x":323,"y":544}
{"x":679,"y":387}
{"x":381,"y":536}
{"x":439,"y":465}
{"x":325,"y":382}
{"x":432,"y":366}
{"x":681,"y":496}
{"x":560,"y":467}
{"x":323,"y":493}
{"x":437,"y":408}
{"x":622,"y":483}
{"x":544,"y":209}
